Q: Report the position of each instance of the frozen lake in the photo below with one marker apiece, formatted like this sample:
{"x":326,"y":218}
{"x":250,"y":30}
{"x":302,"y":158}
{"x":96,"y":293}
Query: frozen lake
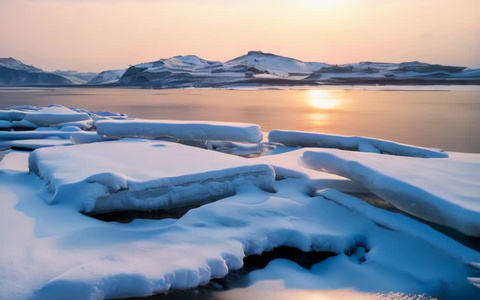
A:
{"x":440,"y":117}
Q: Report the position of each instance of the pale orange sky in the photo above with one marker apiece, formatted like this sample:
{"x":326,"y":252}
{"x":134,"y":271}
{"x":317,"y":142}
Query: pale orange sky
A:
{"x":95,"y":35}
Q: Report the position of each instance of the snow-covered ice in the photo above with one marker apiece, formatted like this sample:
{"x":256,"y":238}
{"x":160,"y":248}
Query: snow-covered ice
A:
{"x":443,"y":191}
{"x":142,"y":175}
{"x":353,"y":143}
{"x":192,"y":130}
{"x":42,"y":116}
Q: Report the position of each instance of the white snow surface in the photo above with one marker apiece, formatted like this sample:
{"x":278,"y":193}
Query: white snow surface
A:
{"x":443,"y":191}
{"x":54,"y":252}
{"x":142,"y":175}
{"x":353,"y":143}
{"x":202,"y":130}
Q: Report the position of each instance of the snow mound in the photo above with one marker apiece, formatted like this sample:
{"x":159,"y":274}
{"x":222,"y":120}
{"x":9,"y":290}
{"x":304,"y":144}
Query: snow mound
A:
{"x":142,"y":175}
{"x":221,"y":131}
{"x":443,"y":191}
{"x":42,"y":116}
{"x":353,"y":143}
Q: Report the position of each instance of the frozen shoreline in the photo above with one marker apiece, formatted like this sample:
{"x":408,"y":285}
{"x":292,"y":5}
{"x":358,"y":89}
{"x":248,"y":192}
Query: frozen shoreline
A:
{"x":286,"y":199}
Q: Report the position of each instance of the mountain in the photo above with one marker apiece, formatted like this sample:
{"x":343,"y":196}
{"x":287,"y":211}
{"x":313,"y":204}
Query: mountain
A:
{"x":76,"y":77}
{"x":107,"y":77}
{"x":253,"y":69}
{"x":14,"y":64}
{"x":268,"y":63}
{"x":14,"y":72}
{"x":265,"y":69}
{"x":192,"y":71}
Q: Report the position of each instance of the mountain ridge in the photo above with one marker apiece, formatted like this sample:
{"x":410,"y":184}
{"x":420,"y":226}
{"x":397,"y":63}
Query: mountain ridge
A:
{"x":256,"y":68}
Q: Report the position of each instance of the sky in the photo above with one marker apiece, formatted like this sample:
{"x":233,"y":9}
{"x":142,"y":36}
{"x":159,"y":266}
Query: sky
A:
{"x":96,"y":35}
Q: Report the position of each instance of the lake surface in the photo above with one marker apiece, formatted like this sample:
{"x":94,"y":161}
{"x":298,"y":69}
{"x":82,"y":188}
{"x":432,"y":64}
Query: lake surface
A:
{"x":448,"y":118}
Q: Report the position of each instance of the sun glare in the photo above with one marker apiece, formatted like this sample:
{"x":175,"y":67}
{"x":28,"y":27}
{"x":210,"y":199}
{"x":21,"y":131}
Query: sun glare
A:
{"x":322,"y":100}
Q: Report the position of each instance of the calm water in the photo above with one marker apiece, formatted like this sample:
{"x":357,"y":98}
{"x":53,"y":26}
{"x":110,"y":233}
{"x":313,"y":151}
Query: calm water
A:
{"x":442,"y":119}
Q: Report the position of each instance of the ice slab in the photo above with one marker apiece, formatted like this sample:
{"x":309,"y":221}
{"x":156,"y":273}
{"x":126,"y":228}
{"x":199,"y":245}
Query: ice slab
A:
{"x":33,"y":143}
{"x":201,"y":130}
{"x":443,"y":191}
{"x":354,"y":143}
{"x":40,"y":133}
{"x":134,"y":174}
{"x":43,"y":116}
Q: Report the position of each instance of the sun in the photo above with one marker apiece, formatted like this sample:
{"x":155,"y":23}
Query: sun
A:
{"x":327,"y":4}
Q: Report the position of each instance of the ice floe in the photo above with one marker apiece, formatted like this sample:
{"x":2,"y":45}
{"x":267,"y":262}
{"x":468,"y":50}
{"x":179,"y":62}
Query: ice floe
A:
{"x":142,"y":175}
{"x":353,"y":143}
{"x":443,"y":191}
{"x":42,"y":116}
{"x":192,"y":130}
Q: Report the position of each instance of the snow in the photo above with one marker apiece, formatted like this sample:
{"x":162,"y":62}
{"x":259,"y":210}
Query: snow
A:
{"x":113,"y":176}
{"x":352,"y":143}
{"x":443,"y":191}
{"x":221,"y":131}
{"x":95,"y":260}
{"x":282,"y":196}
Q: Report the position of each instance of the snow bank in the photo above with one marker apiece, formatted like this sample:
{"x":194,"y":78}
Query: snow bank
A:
{"x":54,"y":252}
{"x":221,"y":131}
{"x":42,"y":116}
{"x":443,"y":191}
{"x":354,"y":143}
{"x":142,"y":175}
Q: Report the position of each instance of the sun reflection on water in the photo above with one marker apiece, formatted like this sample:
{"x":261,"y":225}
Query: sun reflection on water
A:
{"x":322,"y":102}
{"x":321,"y":99}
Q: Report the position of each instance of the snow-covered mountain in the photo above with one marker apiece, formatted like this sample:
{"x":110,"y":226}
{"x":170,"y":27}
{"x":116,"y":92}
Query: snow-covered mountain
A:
{"x":255,"y":68}
{"x":274,"y":64}
{"x":14,"y":64}
{"x":258,"y":68}
{"x":107,"y":77}
{"x":76,"y":77}
{"x":14,"y":72}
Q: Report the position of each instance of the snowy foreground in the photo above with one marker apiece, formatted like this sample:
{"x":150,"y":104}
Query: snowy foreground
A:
{"x":399,"y":221}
